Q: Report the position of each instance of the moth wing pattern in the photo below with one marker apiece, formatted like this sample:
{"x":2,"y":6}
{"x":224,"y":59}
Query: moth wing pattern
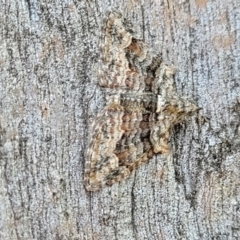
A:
{"x":142,"y":107}
{"x":125,"y":58}
{"x":120,"y":142}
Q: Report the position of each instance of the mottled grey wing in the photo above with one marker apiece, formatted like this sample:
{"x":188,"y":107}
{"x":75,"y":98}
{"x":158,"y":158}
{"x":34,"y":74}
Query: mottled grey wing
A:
{"x":120,"y":140}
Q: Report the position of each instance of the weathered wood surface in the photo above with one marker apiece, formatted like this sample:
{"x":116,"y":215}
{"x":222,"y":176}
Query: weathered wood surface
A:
{"x":48,"y":96}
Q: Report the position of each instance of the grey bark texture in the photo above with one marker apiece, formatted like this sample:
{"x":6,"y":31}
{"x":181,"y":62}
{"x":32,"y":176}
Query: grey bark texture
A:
{"x":49,"y":95}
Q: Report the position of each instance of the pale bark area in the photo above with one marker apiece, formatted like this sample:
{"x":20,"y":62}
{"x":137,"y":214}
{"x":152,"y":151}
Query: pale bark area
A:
{"x":48,"y":95}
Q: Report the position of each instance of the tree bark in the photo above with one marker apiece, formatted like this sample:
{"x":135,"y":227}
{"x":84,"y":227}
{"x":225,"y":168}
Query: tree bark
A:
{"x":49,"y":95}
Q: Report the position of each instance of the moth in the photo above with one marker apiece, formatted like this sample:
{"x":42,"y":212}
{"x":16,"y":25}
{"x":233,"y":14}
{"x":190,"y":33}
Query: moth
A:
{"x":142,"y":107}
